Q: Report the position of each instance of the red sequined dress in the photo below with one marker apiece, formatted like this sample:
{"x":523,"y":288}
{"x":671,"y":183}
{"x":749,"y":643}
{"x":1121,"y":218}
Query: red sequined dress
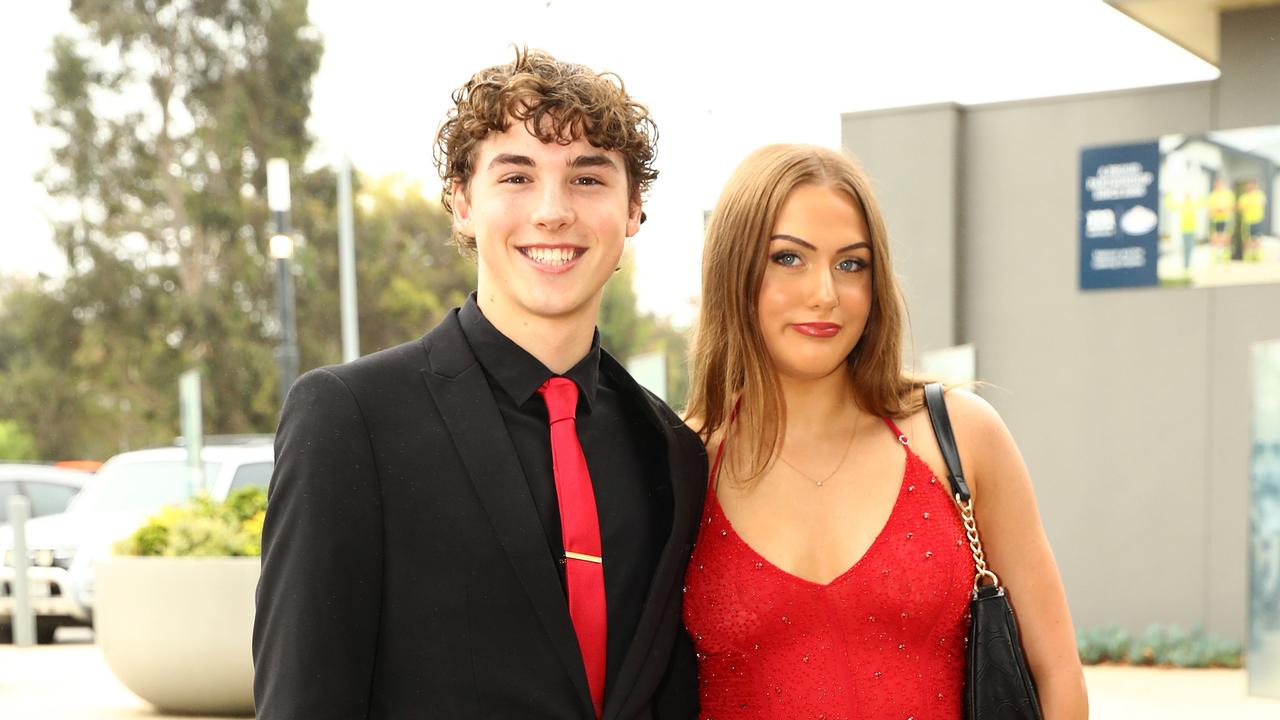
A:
{"x":883,"y":640}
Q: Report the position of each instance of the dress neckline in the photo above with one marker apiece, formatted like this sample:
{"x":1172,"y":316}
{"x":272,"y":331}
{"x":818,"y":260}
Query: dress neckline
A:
{"x":716,"y":509}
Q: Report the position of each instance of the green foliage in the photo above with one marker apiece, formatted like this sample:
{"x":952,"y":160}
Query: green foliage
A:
{"x":203,"y":528}
{"x":408,"y":275}
{"x":625,"y":331}
{"x":1158,"y":645}
{"x":1103,"y":644}
{"x":16,"y":443}
{"x":245,"y":503}
{"x":165,"y":112}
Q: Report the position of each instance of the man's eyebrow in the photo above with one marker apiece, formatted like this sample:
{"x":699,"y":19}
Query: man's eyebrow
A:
{"x":798,"y":241}
{"x":593,"y":160}
{"x":510,"y":159}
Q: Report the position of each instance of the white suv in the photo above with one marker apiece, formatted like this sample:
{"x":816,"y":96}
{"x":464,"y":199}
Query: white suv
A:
{"x":127,"y":489}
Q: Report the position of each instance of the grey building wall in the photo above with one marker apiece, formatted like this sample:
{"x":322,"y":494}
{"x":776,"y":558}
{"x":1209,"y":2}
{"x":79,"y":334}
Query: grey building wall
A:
{"x":1104,"y":390}
{"x":1247,"y":94}
{"x":1249,"y":89}
{"x":923,"y":222}
{"x":1131,"y":406}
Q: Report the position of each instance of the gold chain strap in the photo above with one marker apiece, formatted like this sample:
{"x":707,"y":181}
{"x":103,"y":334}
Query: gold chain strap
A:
{"x":975,"y":545}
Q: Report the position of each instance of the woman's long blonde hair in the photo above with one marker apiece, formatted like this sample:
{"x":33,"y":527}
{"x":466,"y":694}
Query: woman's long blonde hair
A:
{"x":729,"y":364}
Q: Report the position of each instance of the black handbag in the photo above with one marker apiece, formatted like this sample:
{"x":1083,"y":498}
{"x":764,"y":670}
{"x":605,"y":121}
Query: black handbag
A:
{"x":997,"y":681}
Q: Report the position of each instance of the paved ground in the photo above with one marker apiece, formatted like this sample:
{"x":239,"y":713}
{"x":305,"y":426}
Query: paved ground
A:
{"x":66,"y":681}
{"x":69,"y":681}
{"x":1126,"y":693}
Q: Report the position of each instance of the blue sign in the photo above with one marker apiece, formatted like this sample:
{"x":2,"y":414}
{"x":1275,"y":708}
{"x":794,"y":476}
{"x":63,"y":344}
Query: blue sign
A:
{"x":1119,"y":215}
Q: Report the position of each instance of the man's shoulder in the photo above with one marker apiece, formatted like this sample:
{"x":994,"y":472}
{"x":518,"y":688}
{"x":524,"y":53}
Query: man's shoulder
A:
{"x":411,"y":356}
{"x":382,"y":365}
{"x":394,"y":366}
{"x":660,"y":406}
{"x":661,"y":409}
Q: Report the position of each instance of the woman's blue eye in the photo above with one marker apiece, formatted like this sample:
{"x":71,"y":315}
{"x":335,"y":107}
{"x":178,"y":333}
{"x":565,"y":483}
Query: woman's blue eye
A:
{"x":851,"y":265}
{"x":787,"y":259}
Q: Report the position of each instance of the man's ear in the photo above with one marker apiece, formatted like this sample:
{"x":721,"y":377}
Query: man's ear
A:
{"x":462,"y":211}
{"x":635,"y":216}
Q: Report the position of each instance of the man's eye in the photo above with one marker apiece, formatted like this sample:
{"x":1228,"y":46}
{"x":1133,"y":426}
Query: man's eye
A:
{"x":586,"y":180}
{"x":786,"y":259}
{"x":515,"y":180}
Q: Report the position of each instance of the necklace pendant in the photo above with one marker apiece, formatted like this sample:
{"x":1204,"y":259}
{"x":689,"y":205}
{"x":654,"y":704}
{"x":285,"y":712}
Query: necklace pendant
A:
{"x":819,"y":483}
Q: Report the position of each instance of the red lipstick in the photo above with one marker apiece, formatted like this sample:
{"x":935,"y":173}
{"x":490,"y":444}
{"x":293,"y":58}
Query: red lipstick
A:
{"x":817,"y":329}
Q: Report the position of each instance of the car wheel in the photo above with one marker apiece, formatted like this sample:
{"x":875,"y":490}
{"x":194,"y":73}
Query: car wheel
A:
{"x":45,"y":632}
{"x":6,"y":634}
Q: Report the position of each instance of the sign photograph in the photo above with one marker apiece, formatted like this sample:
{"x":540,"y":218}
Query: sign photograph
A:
{"x":1181,"y":210}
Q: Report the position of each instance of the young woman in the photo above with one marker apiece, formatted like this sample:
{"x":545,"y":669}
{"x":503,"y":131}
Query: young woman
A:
{"x":831,"y":575}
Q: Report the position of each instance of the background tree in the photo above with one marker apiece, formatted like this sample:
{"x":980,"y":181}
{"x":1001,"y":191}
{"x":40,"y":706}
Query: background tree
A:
{"x":408,"y":275}
{"x":166,"y":111}
{"x":626,"y":332}
{"x":16,"y":443}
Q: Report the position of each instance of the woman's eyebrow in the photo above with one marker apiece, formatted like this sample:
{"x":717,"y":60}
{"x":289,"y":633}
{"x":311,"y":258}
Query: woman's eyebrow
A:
{"x":794,"y":239}
{"x":811,"y":246}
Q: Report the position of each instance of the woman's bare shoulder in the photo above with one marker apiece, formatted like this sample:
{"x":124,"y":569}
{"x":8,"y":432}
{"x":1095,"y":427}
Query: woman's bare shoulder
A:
{"x":986,"y":445}
{"x":978,"y":430}
{"x":966,"y":409}
{"x":970,"y":410}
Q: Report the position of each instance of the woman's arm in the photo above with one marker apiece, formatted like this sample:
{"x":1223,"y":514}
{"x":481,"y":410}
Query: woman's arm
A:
{"x":1019,"y":553}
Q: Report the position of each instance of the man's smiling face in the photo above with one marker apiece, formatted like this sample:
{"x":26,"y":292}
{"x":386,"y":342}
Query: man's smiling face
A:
{"x":550,"y":222}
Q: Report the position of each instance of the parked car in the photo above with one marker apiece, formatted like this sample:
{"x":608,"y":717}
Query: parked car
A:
{"x":130,"y":487}
{"x":50,"y":489}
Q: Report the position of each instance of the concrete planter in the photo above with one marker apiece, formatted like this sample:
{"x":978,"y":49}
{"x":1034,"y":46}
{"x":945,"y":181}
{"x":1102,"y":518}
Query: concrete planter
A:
{"x":176,"y":631}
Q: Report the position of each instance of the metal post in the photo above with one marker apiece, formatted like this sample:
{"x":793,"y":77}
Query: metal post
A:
{"x":279,"y":201}
{"x":287,"y":352}
{"x":192,"y":418}
{"x":24,"y":622}
{"x":347,"y":266}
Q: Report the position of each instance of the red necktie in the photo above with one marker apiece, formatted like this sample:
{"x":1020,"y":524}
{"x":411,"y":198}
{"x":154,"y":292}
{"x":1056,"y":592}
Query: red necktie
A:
{"x":580,"y":529}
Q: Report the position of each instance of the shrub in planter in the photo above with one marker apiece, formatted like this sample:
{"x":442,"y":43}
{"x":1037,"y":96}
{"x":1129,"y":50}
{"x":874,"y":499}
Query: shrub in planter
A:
{"x":175,"y":605}
{"x":203,"y":528}
{"x":1158,"y":645}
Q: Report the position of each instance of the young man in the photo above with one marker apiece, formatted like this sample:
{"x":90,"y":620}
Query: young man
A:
{"x":435,"y":544}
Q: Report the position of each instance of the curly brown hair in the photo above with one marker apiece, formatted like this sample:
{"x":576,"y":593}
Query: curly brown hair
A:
{"x":558,"y":102}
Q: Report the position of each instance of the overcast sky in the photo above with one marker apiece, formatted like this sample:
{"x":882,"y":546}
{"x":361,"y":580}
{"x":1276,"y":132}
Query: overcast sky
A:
{"x":721,"y":79}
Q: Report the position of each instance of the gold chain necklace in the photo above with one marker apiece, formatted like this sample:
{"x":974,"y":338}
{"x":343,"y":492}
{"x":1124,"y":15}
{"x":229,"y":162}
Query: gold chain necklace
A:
{"x":831,"y":474}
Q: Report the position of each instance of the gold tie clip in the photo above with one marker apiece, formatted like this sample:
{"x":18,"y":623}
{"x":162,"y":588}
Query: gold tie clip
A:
{"x":582,"y":556}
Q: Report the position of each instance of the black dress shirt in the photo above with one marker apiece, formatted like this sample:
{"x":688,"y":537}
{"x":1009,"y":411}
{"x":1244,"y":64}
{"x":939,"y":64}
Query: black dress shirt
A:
{"x":628,"y":469}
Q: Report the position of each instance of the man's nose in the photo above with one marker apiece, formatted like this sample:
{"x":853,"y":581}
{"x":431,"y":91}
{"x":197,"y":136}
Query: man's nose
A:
{"x":554,"y":209}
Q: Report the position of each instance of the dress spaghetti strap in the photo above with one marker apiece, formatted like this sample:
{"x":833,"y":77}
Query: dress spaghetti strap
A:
{"x":901,"y":438}
{"x":715,"y":467}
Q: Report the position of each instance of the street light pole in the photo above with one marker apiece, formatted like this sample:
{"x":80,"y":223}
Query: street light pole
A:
{"x":281,"y":246}
{"x":347,"y":266}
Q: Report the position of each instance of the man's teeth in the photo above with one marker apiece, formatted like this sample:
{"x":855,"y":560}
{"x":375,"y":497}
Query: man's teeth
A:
{"x":551,"y":256}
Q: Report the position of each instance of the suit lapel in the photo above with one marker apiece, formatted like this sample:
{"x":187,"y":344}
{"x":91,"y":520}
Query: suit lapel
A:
{"x":462,"y":394}
{"x":667,"y":576}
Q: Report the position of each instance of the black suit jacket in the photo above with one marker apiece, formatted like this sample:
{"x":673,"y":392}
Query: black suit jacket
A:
{"x":405,"y":573}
